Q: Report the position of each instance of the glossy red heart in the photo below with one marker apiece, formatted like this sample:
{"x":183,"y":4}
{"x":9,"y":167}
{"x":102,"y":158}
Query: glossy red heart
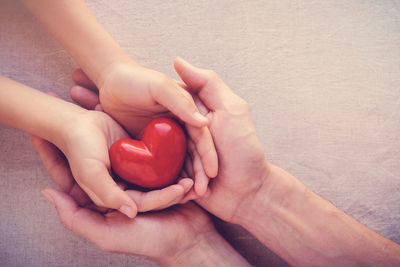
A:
{"x":156,"y":160}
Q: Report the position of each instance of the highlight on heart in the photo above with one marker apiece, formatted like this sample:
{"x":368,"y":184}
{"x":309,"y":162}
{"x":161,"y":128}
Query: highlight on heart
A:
{"x":154,"y":161}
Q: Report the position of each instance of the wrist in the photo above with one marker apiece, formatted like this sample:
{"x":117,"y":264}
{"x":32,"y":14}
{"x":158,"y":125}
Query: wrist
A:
{"x":305,"y":229}
{"x":116,"y":66}
{"x":35,"y":112}
{"x":250,"y":203}
{"x":209,"y":249}
{"x":63,"y":124}
{"x":278,"y":190}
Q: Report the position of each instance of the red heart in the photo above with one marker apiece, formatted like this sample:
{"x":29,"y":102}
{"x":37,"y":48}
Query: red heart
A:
{"x":155,"y":161}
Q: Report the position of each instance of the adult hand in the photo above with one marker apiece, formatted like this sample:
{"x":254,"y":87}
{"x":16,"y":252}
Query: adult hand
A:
{"x":133,"y":95}
{"x":242,"y":164}
{"x":180,"y":236}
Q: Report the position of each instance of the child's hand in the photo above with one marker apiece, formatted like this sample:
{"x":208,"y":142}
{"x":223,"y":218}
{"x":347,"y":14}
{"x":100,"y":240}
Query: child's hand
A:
{"x":133,"y":95}
{"x":85,"y":145}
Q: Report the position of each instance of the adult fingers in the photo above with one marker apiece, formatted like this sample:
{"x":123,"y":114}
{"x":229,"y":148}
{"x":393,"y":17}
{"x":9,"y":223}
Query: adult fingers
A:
{"x":204,"y":145}
{"x":203,"y":139}
{"x":207,"y":84}
{"x":84,"y":97}
{"x":200,"y":177}
{"x":80,"y":78}
{"x":84,"y":222}
{"x":200,"y":105}
{"x":57,"y":166}
{"x":188,"y":165}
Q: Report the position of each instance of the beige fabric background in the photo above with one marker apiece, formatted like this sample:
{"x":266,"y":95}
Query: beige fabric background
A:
{"x":322,"y":78}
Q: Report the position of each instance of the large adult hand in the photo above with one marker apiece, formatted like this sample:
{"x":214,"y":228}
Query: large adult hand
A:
{"x":242,"y":163}
{"x":133,"y":95}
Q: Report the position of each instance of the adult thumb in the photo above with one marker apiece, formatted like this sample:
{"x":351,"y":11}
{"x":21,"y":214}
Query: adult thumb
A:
{"x":195,"y":78}
{"x":211,"y":89}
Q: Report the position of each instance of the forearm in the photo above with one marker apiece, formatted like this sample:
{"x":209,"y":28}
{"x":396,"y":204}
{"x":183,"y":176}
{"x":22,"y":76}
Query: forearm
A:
{"x":209,"y":251}
{"x":78,"y":31}
{"x":306,"y":230}
{"x":32,"y":111}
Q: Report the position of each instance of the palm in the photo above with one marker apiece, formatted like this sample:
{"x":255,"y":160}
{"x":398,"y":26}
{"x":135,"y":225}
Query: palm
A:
{"x":241,"y":157}
{"x":155,"y":234}
{"x":241,"y":160}
{"x":89,"y":138}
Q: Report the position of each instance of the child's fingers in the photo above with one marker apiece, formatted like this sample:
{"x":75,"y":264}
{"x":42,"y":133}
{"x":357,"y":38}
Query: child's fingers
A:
{"x":95,"y":180}
{"x":179,"y":102}
{"x":162,"y":198}
{"x":80,"y":78}
{"x":205,"y":147}
{"x":186,"y":183}
{"x":200,"y":177}
{"x":84,"y":97}
{"x":84,"y":222}
{"x":191,"y":195}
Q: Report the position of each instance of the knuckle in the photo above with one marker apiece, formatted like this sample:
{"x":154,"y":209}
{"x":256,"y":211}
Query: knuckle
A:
{"x":208,"y":152}
{"x":163,"y":80}
{"x":196,"y":135}
{"x":212,"y":75}
{"x":109,"y":200}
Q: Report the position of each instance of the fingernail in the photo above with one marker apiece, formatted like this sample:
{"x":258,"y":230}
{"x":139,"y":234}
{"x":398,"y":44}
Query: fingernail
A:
{"x":128,"y":211}
{"x":48,"y":196}
{"x":200,"y":117}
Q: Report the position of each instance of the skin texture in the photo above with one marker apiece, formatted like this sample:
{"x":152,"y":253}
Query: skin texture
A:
{"x":287,"y":217}
{"x":178,"y":236}
{"x":242,"y":164}
{"x":89,"y":99}
{"x":128,"y":92}
{"x":297,"y":224}
{"x":83,"y":136}
{"x":291,"y":220}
